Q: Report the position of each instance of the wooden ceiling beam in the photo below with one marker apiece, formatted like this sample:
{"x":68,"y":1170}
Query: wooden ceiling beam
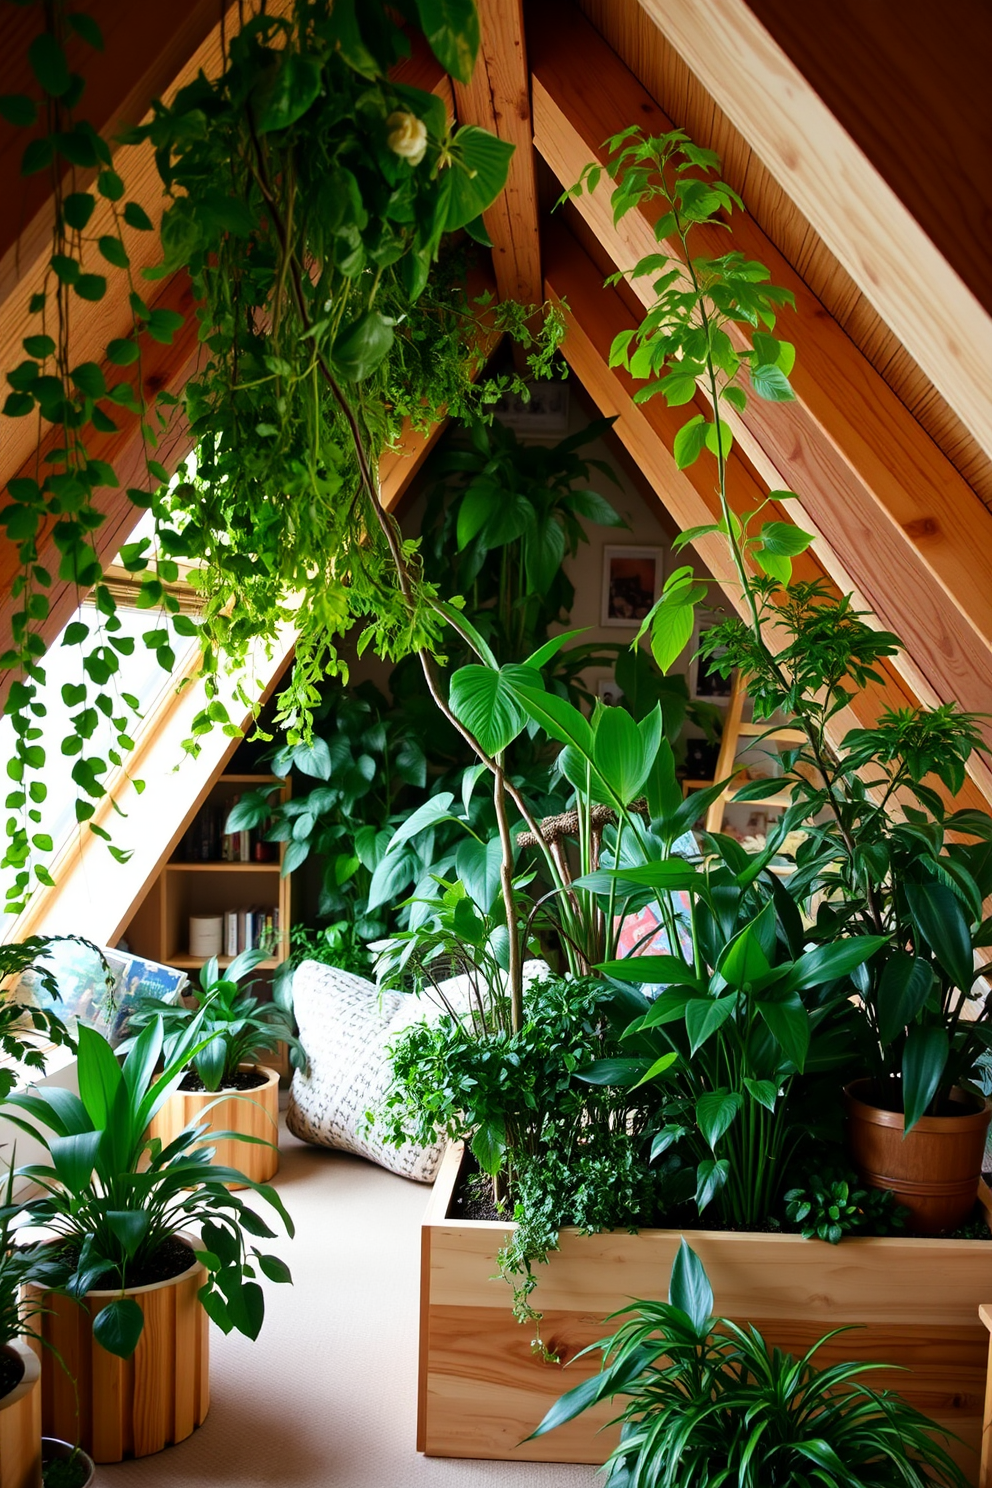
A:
{"x":833,"y":183}
{"x":904,"y":528}
{"x":498,"y":99}
{"x":594,"y":317}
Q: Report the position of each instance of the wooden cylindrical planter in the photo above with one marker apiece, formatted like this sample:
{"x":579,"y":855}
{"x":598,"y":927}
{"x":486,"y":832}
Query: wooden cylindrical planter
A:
{"x":127,"y":1407}
{"x":253,"y":1112}
{"x":934,"y":1170}
{"x":20,"y":1423}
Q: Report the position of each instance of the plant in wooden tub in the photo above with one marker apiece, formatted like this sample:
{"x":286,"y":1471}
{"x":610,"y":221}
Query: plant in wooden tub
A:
{"x":884,"y":851}
{"x":126,"y":1294}
{"x":232,"y":1027}
{"x":708,"y":1402}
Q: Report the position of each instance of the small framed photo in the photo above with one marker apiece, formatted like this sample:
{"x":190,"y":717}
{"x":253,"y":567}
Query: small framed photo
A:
{"x":632,"y":579}
{"x":603,"y":686}
{"x":705,"y":682}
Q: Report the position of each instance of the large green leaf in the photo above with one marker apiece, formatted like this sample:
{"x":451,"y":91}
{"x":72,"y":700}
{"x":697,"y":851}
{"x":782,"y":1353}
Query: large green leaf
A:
{"x":716,"y":1112}
{"x":937,"y":914}
{"x":288,"y":90}
{"x":74,"y":1157}
{"x":743,"y":962}
{"x":360,"y":347}
{"x":544,"y":549}
{"x":489,"y":1146}
{"x":620,"y":754}
{"x":590,"y":504}
{"x":98,"y":1073}
{"x":690,"y":1290}
{"x":558,"y":718}
{"x":704,"y":1016}
{"x":478,"y":866}
{"x":902,"y":991}
{"x":477,"y":174}
{"x":924,"y":1060}
{"x":828,"y":962}
{"x":671,"y":629}
{"x":118,"y":1327}
{"x":485,"y":701}
{"x":452,"y":30}
{"x":787,"y":1021}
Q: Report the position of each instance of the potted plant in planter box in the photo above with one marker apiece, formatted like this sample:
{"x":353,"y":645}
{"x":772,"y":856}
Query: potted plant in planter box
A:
{"x":122,"y":1281}
{"x":232,"y":1028}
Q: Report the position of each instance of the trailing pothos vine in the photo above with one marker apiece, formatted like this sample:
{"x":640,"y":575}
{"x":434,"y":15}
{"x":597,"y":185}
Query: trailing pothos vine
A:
{"x":312,"y":199}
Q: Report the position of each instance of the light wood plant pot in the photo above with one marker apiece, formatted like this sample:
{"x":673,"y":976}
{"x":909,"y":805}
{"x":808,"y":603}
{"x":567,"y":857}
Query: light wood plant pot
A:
{"x":20,"y":1423}
{"x":126,"y":1407}
{"x":255,"y":1113}
{"x":481,"y":1389}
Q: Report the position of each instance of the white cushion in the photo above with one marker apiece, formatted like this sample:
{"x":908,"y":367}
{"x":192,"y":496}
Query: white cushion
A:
{"x":347,"y":1026}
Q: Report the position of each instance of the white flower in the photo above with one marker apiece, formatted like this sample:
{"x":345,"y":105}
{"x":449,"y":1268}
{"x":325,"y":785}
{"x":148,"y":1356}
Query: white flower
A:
{"x":407,"y":136}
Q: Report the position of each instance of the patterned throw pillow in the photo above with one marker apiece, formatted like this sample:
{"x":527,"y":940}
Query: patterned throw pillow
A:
{"x":346,"y":1026}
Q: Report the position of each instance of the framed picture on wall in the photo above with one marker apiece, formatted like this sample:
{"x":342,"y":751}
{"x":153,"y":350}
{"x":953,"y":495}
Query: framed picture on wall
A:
{"x":632,"y":579}
{"x":705,"y":683}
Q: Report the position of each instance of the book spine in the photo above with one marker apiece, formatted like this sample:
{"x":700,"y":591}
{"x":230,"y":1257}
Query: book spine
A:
{"x":231,"y":933}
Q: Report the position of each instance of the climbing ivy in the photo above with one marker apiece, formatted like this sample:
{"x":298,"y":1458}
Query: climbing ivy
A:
{"x":312,"y":201}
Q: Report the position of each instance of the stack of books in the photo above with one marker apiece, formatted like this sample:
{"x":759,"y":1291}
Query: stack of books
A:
{"x":251,"y":930}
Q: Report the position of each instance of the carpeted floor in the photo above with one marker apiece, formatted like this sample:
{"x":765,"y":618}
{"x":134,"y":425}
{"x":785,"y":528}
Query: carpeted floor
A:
{"x":327,"y":1396}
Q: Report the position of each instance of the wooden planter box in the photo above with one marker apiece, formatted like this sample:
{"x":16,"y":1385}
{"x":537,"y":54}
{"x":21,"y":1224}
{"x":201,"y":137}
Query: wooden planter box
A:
{"x":20,"y":1424}
{"x":127,"y":1407}
{"x":482,"y":1390}
{"x":253,"y":1112}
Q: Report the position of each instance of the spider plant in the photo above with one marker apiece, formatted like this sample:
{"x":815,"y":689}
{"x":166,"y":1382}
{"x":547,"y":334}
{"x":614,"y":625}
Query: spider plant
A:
{"x":111,"y":1197}
{"x":709,"y":1403}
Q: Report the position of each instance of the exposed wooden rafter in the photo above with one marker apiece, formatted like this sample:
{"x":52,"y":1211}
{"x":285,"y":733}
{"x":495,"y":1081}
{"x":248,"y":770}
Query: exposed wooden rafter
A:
{"x":594,"y":317}
{"x":860,"y":218}
{"x":902,"y":526}
{"x":498,"y":99}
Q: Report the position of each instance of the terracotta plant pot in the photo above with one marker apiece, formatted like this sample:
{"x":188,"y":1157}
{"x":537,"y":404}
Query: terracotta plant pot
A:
{"x":127,"y":1407}
{"x":53,"y":1450}
{"x":934,"y":1170}
{"x":20,"y":1423}
{"x":253,"y":1112}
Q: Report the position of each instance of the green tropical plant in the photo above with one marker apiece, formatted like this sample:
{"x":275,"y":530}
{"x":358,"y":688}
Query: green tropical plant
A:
{"x":19,"y":1266}
{"x":112,"y":1197}
{"x":707,"y":1403}
{"x":501,"y":521}
{"x":828,"y":1207}
{"x":232,"y":1026}
{"x":878,"y":855}
{"x":23,"y":1025}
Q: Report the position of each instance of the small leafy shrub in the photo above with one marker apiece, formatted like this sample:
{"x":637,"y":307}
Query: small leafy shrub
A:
{"x":707,"y":1404}
{"x":830,"y":1207}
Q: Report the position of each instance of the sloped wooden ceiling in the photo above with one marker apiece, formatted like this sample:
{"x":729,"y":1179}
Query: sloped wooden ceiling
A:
{"x":893,"y":481}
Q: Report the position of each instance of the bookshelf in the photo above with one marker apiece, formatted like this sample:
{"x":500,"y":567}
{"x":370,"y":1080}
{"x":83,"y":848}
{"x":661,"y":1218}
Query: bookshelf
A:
{"x":197,"y":880}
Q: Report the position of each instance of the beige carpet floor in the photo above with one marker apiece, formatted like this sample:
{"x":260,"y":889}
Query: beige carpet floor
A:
{"x":326,"y":1398}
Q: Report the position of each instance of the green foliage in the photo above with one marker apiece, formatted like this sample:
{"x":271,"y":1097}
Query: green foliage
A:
{"x":708,"y":1402}
{"x":23,"y":1026}
{"x":500,"y":522}
{"x":112,"y":1197}
{"x":232,"y":1026}
{"x":831,"y":1206}
{"x":19,"y":1265}
{"x":310,"y":198}
{"x":882,"y":856}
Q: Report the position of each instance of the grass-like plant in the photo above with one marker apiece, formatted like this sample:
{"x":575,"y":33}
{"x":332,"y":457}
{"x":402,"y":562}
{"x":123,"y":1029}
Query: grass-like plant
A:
{"x":708,"y":1404}
{"x":112,"y":1197}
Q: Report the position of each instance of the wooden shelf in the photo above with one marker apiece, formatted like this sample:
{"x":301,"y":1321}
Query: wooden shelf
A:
{"x":187,"y":963}
{"x":159,"y":928}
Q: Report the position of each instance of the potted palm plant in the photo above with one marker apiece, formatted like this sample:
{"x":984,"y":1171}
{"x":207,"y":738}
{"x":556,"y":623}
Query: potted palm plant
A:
{"x":125,"y":1294}
{"x":233,"y":1027}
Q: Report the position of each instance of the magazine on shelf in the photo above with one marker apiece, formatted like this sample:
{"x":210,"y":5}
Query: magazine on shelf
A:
{"x":101,"y":996}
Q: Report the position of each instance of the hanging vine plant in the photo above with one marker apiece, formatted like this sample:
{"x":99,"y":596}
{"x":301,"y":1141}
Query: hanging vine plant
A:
{"x":313,"y":201}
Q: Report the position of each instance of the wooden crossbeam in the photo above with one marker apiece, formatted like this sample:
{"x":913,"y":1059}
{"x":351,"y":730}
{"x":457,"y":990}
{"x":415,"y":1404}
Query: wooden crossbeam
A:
{"x":595,"y":316}
{"x":498,"y":99}
{"x":904,"y":528}
{"x":832,"y":182}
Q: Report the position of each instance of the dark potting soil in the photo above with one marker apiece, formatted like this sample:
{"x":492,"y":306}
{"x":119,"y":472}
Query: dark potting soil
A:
{"x":242,"y":1080}
{"x":172,"y":1258}
{"x":11,"y":1373}
{"x":473,"y":1199}
{"x":65,"y":1472}
{"x":887,"y":1096}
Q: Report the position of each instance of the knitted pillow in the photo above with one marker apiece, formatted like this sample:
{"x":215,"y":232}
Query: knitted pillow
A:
{"x":346,"y":1026}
